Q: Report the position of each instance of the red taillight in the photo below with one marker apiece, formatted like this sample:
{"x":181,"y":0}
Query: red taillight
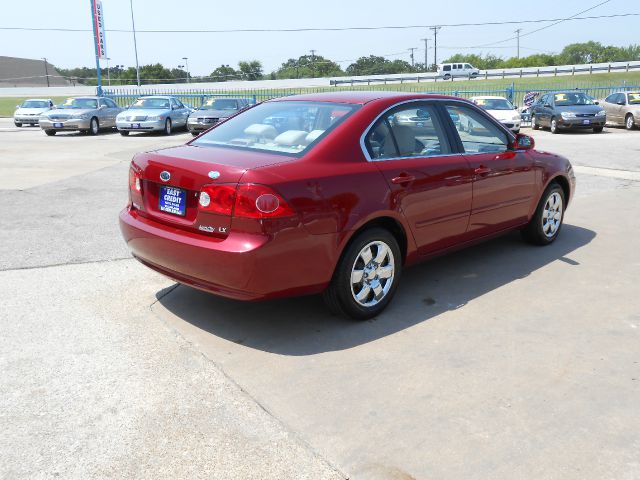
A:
{"x":135,"y":182}
{"x":259,"y":201}
{"x":217,"y":199}
{"x":247,"y":200}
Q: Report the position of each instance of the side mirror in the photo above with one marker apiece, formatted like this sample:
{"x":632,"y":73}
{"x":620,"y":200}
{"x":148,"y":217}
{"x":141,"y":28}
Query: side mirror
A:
{"x":524,"y":142}
{"x":102,"y":107}
{"x":597,"y":102}
{"x":515,"y":107}
{"x":547,"y":105}
{"x":17,"y":106}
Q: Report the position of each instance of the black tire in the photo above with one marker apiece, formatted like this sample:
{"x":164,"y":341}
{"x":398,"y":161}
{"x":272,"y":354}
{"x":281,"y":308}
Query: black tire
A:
{"x":534,"y":125}
{"x":534,"y":232}
{"x":167,"y":127}
{"x":447,"y":76}
{"x":598,"y":129}
{"x":339,"y":296}
{"x":195,"y":134}
{"x":94,"y":126}
{"x":124,"y":133}
{"x":553,"y":126}
{"x":630,"y":122}
{"x":50,"y":133}
{"x":17,"y":124}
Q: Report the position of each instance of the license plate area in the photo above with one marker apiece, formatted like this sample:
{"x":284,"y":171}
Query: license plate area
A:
{"x":58,"y":125}
{"x":586,"y":122}
{"x":172,"y":200}
{"x":135,"y":125}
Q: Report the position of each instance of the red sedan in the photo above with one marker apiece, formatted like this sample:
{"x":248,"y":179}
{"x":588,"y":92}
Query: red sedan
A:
{"x":337,"y":193}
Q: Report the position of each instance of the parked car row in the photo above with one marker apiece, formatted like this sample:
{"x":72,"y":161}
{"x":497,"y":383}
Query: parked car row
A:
{"x":156,"y":113}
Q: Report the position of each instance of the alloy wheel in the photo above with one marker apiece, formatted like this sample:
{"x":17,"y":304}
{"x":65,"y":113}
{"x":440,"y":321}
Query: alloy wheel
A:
{"x":93,"y":126}
{"x":372,"y":274}
{"x":630,"y":123}
{"x":552,"y":215}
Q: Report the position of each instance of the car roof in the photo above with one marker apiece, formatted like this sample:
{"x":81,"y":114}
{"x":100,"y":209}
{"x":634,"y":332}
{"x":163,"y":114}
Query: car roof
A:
{"x":38,"y":99}
{"x":357,"y":97}
{"x":165,"y":97}
{"x":86,"y":98}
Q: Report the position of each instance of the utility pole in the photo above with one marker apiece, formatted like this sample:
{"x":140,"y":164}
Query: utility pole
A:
{"x":518,"y":34}
{"x":413,"y":63}
{"x":435,"y":44}
{"x":426,"y":51}
{"x":135,"y":44}
{"x":313,"y":63}
{"x":186,"y":62}
{"x":46,"y":71}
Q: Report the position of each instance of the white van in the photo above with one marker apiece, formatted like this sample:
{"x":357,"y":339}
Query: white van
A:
{"x":451,"y":70}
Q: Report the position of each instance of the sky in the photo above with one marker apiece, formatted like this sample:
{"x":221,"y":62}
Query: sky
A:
{"x":205,"y":51}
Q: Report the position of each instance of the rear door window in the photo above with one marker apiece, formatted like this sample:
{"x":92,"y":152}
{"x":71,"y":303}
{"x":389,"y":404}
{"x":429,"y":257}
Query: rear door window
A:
{"x":477,"y":133}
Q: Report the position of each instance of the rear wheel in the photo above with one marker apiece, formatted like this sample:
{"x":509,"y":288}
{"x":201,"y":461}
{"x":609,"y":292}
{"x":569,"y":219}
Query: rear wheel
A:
{"x":554,"y":126}
{"x":51,"y":133}
{"x":124,"y":133}
{"x":367,"y":275}
{"x":447,"y":76}
{"x":94,"y":126}
{"x":167,"y":127}
{"x":546,"y":222}
{"x":630,"y":122}
{"x":17,"y":124}
{"x":534,"y":124}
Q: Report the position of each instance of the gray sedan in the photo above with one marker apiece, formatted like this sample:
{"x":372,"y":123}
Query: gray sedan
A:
{"x":214,"y":110}
{"x":567,"y":111}
{"x":86,"y":114}
{"x":153,"y":113}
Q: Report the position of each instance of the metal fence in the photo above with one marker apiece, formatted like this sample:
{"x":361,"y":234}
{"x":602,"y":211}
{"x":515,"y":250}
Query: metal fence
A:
{"x":195,"y":97}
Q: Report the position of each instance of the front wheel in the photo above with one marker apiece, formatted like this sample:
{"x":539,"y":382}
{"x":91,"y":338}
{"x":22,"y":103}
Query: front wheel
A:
{"x":630,"y":122}
{"x":534,"y":124}
{"x":124,"y":133}
{"x":50,"y":133}
{"x":167,"y":127}
{"x":554,"y":126}
{"x":94,"y":127}
{"x":195,"y":134}
{"x":367,"y":275}
{"x":17,"y":124}
{"x":598,"y":129}
{"x":544,"y":226}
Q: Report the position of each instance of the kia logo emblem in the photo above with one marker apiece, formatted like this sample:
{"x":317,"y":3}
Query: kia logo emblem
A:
{"x":165,"y":176}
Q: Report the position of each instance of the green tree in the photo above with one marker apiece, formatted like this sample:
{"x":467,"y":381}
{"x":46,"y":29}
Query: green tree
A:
{"x":250,"y":70}
{"x":223,"y":73}
{"x":308,"y":66}
{"x":375,"y":65}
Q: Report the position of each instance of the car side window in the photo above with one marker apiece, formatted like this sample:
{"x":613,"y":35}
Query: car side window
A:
{"x":611,"y":98}
{"x":412,"y":130}
{"x":110,"y":103}
{"x":179,"y":104}
{"x":622,"y":98}
{"x":477,"y":133}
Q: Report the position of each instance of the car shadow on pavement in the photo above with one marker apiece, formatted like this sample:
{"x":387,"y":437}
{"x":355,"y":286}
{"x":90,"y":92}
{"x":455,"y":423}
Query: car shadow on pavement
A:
{"x":303,"y":326}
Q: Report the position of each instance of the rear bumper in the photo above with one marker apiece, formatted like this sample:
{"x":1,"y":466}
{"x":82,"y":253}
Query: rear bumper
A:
{"x":242,"y":266}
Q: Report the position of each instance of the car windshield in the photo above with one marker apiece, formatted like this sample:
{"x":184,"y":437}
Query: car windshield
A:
{"x":572,"y":98}
{"x":81,"y":103}
{"x":634,"y":99}
{"x":289,"y":128}
{"x":494,"y":103}
{"x":35,"y":104}
{"x":219,"y":104}
{"x":162,"y":103}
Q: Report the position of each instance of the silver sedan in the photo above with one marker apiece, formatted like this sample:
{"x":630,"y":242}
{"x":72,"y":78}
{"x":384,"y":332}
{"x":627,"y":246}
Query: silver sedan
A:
{"x":29,"y":111}
{"x":153,"y":113}
{"x":86,"y":114}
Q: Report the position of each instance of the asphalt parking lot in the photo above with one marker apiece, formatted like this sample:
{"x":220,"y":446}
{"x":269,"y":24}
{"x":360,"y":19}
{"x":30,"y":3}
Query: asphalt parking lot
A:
{"x":500,"y":361}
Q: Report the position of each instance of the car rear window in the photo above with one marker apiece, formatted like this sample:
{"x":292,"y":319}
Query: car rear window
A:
{"x":289,"y":128}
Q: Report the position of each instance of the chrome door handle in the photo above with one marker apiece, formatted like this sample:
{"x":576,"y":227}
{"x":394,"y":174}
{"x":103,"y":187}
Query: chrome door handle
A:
{"x":399,"y":180}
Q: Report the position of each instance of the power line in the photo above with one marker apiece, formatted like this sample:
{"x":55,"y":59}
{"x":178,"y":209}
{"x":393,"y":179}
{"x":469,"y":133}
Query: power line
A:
{"x":339,"y":29}
{"x":555,"y":22}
